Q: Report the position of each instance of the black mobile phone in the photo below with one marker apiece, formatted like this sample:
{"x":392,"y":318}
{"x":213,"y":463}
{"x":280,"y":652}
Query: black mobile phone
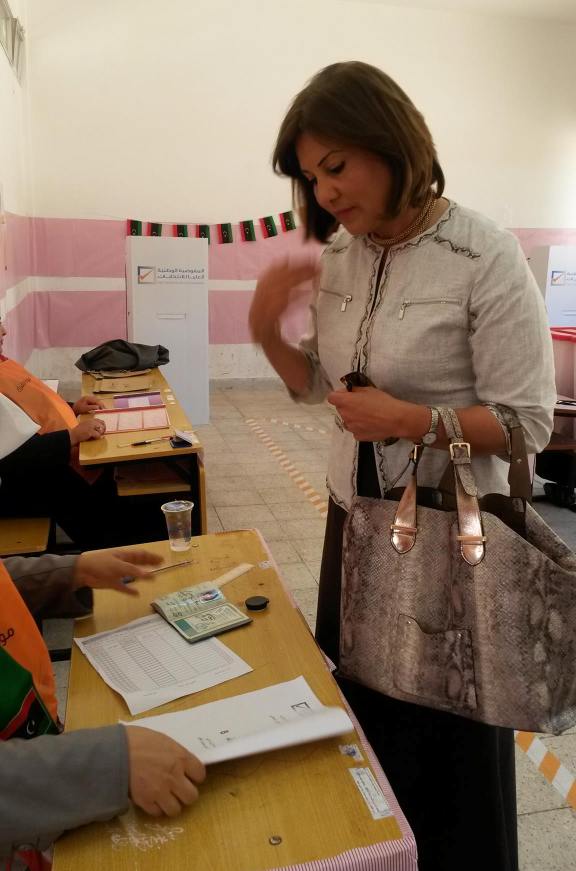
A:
{"x":179,"y":443}
{"x":355,"y":379}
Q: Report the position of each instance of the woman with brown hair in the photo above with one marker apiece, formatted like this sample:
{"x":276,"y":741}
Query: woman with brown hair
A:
{"x":423,"y":303}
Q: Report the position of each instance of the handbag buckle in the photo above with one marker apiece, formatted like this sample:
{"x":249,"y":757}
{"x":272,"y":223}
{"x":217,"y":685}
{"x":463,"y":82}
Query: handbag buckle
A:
{"x":464,"y":445}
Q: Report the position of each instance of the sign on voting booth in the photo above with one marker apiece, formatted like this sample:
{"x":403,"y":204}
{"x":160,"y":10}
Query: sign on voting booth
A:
{"x":167,"y":284}
{"x":554,"y":268}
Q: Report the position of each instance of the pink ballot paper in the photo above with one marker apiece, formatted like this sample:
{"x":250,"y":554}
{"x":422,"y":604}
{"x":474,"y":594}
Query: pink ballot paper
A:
{"x":134,"y":419}
{"x":140,"y":400}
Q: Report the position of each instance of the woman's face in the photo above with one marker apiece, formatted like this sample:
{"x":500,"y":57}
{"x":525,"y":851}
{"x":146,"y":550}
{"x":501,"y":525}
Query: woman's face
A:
{"x":352,"y":184}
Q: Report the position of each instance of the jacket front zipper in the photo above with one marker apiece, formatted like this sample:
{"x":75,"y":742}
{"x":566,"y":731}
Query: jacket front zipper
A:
{"x":445,"y":300}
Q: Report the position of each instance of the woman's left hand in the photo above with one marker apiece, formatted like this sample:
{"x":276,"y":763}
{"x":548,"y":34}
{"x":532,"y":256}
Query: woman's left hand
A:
{"x":371,"y":415}
{"x":86,"y":405}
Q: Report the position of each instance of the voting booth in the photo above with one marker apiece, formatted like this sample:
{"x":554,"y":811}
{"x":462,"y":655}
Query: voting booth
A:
{"x":167,"y":285}
{"x":554,"y":267}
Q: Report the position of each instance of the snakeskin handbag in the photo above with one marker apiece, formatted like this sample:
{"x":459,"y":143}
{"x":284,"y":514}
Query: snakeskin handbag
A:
{"x":462,"y":603}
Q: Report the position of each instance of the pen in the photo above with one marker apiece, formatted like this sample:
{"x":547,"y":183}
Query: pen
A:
{"x":145,"y":442}
{"x":187,"y":562}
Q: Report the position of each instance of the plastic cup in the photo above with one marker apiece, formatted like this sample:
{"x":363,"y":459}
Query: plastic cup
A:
{"x":178,"y":516}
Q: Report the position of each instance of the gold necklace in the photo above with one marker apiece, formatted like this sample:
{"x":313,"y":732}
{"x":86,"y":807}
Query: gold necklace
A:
{"x":416,"y":227}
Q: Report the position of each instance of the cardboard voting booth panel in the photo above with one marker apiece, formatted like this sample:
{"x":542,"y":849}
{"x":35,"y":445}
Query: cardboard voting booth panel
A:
{"x":167,"y":283}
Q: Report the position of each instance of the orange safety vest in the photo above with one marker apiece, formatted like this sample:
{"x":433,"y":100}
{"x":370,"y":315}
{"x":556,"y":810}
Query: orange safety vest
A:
{"x":35,"y":398}
{"x":21,"y":638}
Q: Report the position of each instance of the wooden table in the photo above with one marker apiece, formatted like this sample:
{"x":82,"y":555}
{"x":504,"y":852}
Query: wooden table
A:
{"x":107,"y":450}
{"x":304,"y":795}
{"x":23,"y":535}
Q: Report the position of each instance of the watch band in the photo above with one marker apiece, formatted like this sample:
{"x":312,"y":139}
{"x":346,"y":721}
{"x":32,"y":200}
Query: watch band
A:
{"x":430,"y":437}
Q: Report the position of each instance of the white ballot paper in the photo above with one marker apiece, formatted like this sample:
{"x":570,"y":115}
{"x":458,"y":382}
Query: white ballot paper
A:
{"x":277,"y":716}
{"x":149,"y":664}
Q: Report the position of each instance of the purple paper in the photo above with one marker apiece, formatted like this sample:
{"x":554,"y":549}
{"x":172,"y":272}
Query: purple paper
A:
{"x":138,"y":400}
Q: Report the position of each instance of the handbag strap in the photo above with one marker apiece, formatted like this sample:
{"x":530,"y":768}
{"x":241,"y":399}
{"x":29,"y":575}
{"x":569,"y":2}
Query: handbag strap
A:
{"x":470,"y":533}
{"x":519,"y":478}
{"x":461,"y":459}
{"x":404,"y":529}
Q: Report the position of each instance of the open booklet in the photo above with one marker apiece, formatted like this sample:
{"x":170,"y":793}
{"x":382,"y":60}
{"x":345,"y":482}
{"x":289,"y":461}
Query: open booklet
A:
{"x":200,"y":611}
{"x":278,"y":716}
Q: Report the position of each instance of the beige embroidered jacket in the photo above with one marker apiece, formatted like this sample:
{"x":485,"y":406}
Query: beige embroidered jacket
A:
{"x":457,"y":319}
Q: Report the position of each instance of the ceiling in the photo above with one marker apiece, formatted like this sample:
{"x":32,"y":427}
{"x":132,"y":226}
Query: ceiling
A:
{"x":551,"y":10}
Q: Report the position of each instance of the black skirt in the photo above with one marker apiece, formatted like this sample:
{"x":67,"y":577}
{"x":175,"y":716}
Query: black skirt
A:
{"x":454,"y":778}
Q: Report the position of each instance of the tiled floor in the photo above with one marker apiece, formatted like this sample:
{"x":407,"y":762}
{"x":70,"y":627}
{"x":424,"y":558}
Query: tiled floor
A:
{"x":247,"y":486}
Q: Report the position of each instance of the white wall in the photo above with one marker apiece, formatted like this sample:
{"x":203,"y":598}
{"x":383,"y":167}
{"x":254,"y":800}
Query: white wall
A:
{"x":14,"y":156}
{"x":169,"y":111}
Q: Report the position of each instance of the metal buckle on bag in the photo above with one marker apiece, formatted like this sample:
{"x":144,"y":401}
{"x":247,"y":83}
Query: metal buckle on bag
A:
{"x":464,"y":445}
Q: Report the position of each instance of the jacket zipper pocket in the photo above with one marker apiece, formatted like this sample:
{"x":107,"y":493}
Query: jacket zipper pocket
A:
{"x":444,"y":300}
{"x":346,"y":298}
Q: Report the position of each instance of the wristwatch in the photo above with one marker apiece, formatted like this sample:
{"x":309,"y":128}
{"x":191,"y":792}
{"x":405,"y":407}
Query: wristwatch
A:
{"x":430,"y":437}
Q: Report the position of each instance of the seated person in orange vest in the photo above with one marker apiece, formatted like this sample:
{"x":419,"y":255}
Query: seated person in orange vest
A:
{"x":42,"y":476}
{"x":56,"y":782}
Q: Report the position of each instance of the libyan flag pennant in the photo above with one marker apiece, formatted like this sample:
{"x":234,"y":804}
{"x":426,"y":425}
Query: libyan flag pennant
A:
{"x":155,"y":230}
{"x":225,"y":233}
{"x":268,"y":227}
{"x":134,"y":228}
{"x":287,"y":221}
{"x":180,"y":229}
{"x":247,"y":231}
{"x":203,"y":232}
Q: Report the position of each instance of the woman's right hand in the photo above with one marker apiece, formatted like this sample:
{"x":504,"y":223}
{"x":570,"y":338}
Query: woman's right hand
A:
{"x":276,"y":288}
{"x":91,"y":428}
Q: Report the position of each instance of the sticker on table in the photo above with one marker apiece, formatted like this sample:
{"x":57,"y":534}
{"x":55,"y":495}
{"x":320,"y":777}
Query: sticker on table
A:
{"x":351,"y":750}
{"x":265,"y":564}
{"x":371,"y":793}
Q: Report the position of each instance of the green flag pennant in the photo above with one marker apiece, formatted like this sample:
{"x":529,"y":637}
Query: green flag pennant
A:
{"x":134,"y":228}
{"x":287,"y":221}
{"x":247,"y":233}
{"x":268,"y":225}
{"x":225,"y":233}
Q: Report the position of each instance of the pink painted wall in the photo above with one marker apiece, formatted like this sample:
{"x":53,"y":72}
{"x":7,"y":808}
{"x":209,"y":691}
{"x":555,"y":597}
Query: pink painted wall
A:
{"x":530,"y":238}
{"x":96,"y":249}
{"x":87,"y":249}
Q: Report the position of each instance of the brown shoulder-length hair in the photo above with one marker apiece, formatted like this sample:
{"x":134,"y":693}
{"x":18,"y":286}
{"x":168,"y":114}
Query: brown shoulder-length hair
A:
{"x":356,"y":104}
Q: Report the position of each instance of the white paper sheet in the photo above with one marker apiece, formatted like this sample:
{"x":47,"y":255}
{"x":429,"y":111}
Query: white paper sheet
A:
{"x":277,"y":716}
{"x":15,"y":426}
{"x":149,"y":664}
